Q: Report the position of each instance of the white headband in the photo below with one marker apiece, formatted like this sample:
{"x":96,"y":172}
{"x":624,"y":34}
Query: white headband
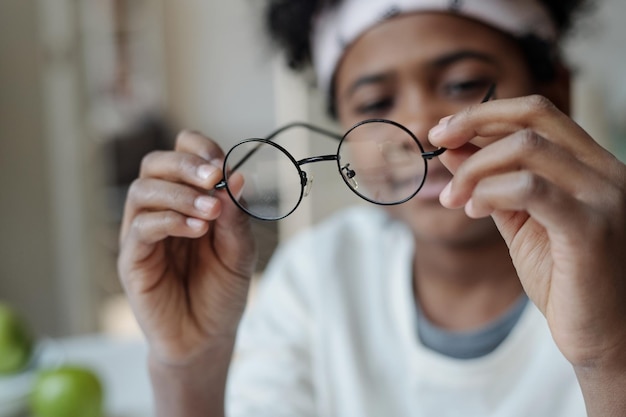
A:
{"x":337,"y":27}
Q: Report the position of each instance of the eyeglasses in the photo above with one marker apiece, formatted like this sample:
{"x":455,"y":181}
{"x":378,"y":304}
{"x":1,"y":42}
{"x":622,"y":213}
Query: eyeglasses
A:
{"x":380,"y":160}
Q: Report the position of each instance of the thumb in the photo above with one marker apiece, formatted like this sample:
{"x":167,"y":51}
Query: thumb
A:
{"x":233,"y":238}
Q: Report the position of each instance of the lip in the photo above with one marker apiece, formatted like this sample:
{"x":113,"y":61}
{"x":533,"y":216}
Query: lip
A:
{"x":436,"y":181}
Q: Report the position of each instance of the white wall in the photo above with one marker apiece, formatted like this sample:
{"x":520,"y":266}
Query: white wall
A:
{"x":219,"y":74}
{"x":597,"y":52}
{"x":45,"y":172}
{"x":25,"y":232}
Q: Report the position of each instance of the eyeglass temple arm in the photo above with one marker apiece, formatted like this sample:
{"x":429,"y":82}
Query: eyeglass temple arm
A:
{"x":488,"y":96}
{"x":286,"y":127}
{"x":328,"y":133}
{"x":314,"y":128}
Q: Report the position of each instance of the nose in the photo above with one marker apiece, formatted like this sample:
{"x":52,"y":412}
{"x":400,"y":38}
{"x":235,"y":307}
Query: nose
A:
{"x":419,"y":112}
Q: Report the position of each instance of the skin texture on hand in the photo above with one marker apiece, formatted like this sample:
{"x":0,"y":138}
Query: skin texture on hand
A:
{"x":187,"y":256}
{"x":559,"y":201}
{"x":555,"y":195}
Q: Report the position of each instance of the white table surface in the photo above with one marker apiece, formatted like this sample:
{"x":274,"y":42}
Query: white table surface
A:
{"x":121,"y":365}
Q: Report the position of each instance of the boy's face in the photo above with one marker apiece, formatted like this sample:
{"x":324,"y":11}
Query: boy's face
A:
{"x":416,"y":69}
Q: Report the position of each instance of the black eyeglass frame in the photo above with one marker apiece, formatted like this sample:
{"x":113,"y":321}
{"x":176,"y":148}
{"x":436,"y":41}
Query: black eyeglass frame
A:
{"x":223,"y":184}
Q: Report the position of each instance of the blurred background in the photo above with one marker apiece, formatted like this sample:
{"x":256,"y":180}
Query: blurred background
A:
{"x":87,"y":87}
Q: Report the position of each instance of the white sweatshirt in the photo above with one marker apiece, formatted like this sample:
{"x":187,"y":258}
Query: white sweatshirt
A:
{"x":333,"y":332}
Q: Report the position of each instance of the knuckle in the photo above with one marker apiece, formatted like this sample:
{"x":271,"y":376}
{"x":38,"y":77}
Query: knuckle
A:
{"x":148,"y":161}
{"x":171,"y":219}
{"x":465,"y":113}
{"x":137,"y":226}
{"x":146,"y":224}
{"x":180,"y":195}
{"x":194,"y":142}
{"x":187,"y":163}
{"x":531,"y":185}
{"x":529,"y":142}
{"x":184,"y":136}
{"x":538,"y":104}
{"x":135,"y":189}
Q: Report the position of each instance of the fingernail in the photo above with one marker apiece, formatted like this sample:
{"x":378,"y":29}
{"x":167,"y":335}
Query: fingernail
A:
{"x":470,"y":210}
{"x":204,"y":204}
{"x":436,"y":131}
{"x":205,"y":171}
{"x":441,"y":126}
{"x":445,"y":120}
{"x":444,"y":197}
{"x":194,"y":223}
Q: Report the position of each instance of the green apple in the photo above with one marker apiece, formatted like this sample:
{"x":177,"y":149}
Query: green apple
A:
{"x":16,"y":343}
{"x":67,"y":391}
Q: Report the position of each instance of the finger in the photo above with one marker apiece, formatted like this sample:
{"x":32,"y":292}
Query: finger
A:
{"x":523,"y":150}
{"x":556,"y":210}
{"x":453,"y":158}
{"x":496,"y":119}
{"x":233,"y":230}
{"x":149,"y":194}
{"x":148,"y":228}
{"x":195,"y":143}
{"x":181,"y":167}
{"x":231,"y":214}
{"x":524,"y":204}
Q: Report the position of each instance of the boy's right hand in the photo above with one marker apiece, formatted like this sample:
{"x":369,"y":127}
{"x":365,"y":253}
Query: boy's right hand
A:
{"x":187,"y":253}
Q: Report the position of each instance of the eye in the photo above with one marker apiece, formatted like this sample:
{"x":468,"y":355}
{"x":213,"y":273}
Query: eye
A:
{"x":467,"y":89}
{"x":375,"y":107}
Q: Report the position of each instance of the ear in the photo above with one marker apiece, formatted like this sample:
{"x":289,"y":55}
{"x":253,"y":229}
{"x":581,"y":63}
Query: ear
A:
{"x":558,"y":90}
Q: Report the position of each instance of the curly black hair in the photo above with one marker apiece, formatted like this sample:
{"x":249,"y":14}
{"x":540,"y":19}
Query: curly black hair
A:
{"x":289,"y":23}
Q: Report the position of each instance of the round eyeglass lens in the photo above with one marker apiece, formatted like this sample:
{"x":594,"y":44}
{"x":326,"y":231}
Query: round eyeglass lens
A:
{"x":272,"y":186}
{"x":382,"y":162}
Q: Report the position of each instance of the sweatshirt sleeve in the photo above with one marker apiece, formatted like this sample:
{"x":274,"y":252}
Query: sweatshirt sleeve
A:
{"x":271,"y":372}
